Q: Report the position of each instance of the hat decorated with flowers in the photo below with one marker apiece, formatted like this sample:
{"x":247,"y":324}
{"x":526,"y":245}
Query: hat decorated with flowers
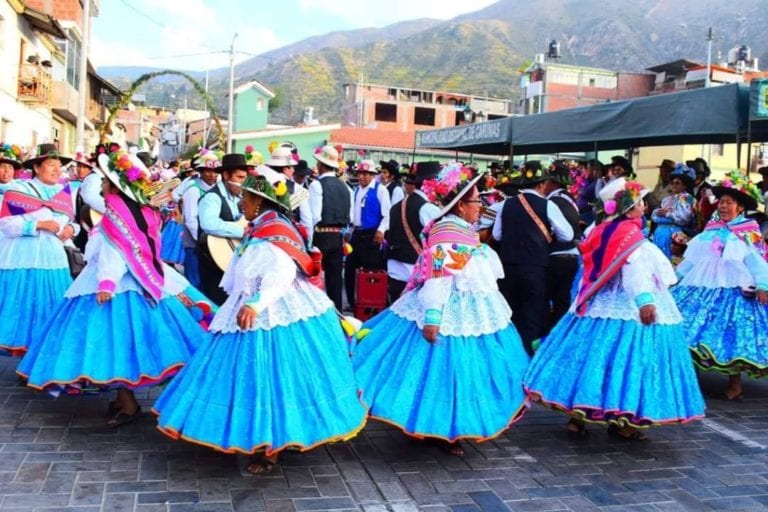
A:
{"x":10,"y":154}
{"x":270,"y":185}
{"x":206,"y":159}
{"x":453,"y":182}
{"x":252,"y":156}
{"x":129,"y":174}
{"x":618,"y":197}
{"x":508,"y":179}
{"x":328,"y":155}
{"x":741,"y":188}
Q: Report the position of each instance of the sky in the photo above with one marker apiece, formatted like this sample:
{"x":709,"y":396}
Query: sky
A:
{"x":196,"y":35}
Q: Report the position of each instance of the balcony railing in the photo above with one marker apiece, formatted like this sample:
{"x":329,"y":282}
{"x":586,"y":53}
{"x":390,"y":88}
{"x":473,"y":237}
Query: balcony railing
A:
{"x":34,"y":83}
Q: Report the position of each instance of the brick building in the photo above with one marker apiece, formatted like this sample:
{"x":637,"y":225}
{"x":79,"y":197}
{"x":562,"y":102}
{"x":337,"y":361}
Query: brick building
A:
{"x":386,"y":107}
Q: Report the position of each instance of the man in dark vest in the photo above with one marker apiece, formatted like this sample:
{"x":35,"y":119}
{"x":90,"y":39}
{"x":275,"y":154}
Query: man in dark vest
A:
{"x":219,"y":213}
{"x":526,"y":227}
{"x":406,"y":220}
{"x":370,"y":220}
{"x":330,"y":202}
{"x":391,"y":179}
{"x":563,"y":256}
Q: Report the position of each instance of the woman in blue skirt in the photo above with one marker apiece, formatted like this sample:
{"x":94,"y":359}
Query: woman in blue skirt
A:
{"x":618,"y":357}
{"x":723,"y":290}
{"x":444,"y":362}
{"x":173,"y":248}
{"x":277,"y":374}
{"x":122,"y":324}
{"x":36,"y":221}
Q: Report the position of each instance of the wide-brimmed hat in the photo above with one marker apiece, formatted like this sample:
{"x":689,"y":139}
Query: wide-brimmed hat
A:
{"x":740,"y":188}
{"x":452,"y":183}
{"x":271,"y":185}
{"x":45,"y":151}
{"x":391,"y":165}
{"x":424,"y":171}
{"x":302,"y":169}
{"x":233,"y":161}
{"x":282,"y":156}
{"x":683,"y":173}
{"x":81,"y":158}
{"x":327,"y":155}
{"x":10,"y":154}
{"x":368,"y":166}
{"x":206,"y":159}
{"x":618,"y":197}
{"x":129,"y":174}
{"x":670,"y":164}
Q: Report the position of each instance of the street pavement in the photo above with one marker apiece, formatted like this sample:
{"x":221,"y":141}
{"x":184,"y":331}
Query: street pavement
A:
{"x":56,"y":455}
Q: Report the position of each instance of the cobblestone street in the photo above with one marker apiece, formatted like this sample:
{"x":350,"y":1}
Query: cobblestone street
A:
{"x":55,"y":455}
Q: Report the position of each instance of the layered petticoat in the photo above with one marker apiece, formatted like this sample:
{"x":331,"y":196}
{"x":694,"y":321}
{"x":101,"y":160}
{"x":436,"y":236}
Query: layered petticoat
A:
{"x":172,"y":248}
{"x":462,"y":387}
{"x":728,"y":332}
{"x":30,"y":297}
{"x":607,"y":367}
{"x":125,"y":342}
{"x":289,"y":386}
{"x":616,"y":371}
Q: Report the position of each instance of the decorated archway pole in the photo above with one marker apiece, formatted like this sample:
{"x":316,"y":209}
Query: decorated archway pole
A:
{"x":128,"y":94}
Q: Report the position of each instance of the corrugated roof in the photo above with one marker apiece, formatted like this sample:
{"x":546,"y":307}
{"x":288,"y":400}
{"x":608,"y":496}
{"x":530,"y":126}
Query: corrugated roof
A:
{"x":372,"y":138}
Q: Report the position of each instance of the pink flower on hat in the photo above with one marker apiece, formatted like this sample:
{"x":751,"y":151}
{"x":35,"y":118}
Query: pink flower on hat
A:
{"x":610,"y":207}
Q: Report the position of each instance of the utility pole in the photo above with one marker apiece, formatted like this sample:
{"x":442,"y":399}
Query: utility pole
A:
{"x":205,"y":119}
{"x":709,"y":57}
{"x":230,"y":106}
{"x":82,"y":77}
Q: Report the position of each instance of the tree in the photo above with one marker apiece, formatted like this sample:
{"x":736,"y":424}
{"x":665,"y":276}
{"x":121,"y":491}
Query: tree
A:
{"x":277,"y":101}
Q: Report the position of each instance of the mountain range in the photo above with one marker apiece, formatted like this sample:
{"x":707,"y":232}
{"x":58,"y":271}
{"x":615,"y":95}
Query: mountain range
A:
{"x":480,"y":52}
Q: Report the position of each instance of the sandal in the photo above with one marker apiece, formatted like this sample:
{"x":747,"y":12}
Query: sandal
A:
{"x":260,"y":465}
{"x":576,"y":429}
{"x":123,"y":418}
{"x":627,"y":433}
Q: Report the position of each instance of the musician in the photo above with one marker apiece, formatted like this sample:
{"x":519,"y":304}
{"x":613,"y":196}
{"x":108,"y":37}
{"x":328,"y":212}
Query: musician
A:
{"x":218,"y":214}
{"x":407,"y":218}
{"x":205,"y":166}
{"x":370,"y":220}
{"x":331,"y":205}
{"x":282,"y":160}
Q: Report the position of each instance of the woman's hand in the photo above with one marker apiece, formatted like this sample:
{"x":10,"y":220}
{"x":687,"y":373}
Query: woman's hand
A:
{"x":246,"y":318}
{"x":102,"y":297}
{"x":648,"y":314}
{"x":67,"y":233}
{"x":762,"y":297}
{"x":430,"y":333}
{"x":48,"y":225}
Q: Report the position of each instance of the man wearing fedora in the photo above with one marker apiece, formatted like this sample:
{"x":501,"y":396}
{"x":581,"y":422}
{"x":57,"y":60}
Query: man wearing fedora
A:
{"x":88,"y":194}
{"x":302,"y":174}
{"x":218,"y":214}
{"x":526,"y":228}
{"x":207,"y":177}
{"x":563,"y":256}
{"x":662,"y":188}
{"x":370,"y":220}
{"x":389,"y":178}
{"x":330,"y":202}
{"x":407,"y":219}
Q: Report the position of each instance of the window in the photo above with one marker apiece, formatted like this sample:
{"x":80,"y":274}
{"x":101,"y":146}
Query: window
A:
{"x":424,"y":116}
{"x":386,"y":112}
{"x":260,"y":104}
{"x":591,"y":82}
{"x":718,"y":149}
{"x":74,"y":49}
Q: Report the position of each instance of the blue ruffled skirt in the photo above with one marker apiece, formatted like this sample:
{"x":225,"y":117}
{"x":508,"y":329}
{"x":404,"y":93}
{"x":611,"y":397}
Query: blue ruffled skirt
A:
{"x":125,"y":342}
{"x":172,"y":248}
{"x":616,"y":371}
{"x":727,"y":332}
{"x":462,"y":387}
{"x":28,"y":300}
{"x":662,"y":237}
{"x":290,"y":386}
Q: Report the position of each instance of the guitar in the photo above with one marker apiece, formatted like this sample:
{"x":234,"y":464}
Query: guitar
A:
{"x":222,"y":248}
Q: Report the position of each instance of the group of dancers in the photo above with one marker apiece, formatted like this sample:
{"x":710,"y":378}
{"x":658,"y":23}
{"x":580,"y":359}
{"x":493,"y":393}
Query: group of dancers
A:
{"x":275,"y":369}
